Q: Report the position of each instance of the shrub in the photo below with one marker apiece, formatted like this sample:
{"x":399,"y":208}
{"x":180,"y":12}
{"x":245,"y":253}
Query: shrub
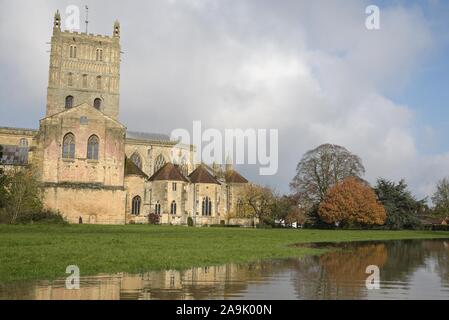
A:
{"x":44,"y":216}
{"x":190,"y":221}
{"x":153,"y":218}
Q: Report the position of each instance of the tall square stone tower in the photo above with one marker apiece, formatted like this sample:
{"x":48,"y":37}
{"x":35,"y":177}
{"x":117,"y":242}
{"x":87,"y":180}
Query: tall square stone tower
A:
{"x":84,"y":68}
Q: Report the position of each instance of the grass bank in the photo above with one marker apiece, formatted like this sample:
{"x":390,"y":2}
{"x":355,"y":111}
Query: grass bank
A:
{"x":44,"y":251}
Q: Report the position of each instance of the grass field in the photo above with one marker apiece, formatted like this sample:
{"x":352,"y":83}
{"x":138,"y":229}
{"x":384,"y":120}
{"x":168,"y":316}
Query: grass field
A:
{"x":44,"y":251}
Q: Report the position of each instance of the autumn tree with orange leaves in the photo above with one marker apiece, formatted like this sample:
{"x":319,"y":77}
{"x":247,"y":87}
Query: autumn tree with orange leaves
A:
{"x":351,"y":202}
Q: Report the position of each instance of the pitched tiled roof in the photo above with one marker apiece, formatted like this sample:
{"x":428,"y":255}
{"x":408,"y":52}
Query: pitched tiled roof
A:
{"x":202,"y":175}
{"x":168,"y":172}
{"x":233,"y":176}
{"x":132,"y":169}
{"x":147,"y":136}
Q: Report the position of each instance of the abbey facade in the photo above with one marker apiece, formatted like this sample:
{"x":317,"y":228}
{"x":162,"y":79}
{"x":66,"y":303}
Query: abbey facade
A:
{"x":92,"y":169}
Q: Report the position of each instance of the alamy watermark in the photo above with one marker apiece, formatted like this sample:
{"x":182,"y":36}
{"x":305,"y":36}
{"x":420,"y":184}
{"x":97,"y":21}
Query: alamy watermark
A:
{"x":372,"y":22}
{"x":72,"y":282}
{"x":373,"y":280}
{"x":243,"y":146}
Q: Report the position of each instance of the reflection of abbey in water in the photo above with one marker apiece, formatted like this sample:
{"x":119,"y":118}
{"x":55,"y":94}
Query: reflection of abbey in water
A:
{"x":93,"y":169}
{"x":195,"y":283}
{"x":410,"y":269}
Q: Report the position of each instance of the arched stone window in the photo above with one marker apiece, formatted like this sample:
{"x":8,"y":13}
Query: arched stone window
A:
{"x":157,"y":208}
{"x":68,"y":102}
{"x":93,"y":144}
{"x":159,"y":163}
{"x":137,"y":160}
{"x":99,"y":83}
{"x":68,"y":146}
{"x":206,"y":208}
{"x":97,"y":103}
{"x":136,"y":206}
{"x":173,"y":207}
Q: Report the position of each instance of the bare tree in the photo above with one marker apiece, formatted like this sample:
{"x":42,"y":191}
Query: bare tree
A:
{"x":320,"y":169}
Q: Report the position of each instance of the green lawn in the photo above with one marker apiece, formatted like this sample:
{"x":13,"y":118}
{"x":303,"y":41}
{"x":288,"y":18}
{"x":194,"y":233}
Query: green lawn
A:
{"x":44,"y":251}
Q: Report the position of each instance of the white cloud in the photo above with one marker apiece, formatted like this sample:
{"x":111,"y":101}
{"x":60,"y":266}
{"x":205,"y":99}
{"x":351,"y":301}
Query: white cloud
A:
{"x":310,"y":69}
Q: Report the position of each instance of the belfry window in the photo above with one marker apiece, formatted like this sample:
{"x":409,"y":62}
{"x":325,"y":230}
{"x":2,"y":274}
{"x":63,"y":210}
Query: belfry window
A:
{"x":97,"y":103}
{"x":93,"y":145}
{"x":69,"y":102}
{"x":99,"y":55}
{"x":135,"y":210}
{"x":68,"y":146}
{"x":72,"y":53}
{"x":206,"y":209}
{"x":173,"y":207}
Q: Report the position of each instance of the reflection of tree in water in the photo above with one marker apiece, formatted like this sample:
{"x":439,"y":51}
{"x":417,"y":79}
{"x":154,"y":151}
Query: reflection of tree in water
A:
{"x":340,"y":273}
{"x":336,"y":274}
{"x":404,"y":257}
{"x":439,"y":252}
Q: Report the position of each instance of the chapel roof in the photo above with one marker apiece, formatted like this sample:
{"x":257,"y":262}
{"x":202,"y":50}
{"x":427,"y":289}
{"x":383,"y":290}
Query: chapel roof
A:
{"x":169,"y":172}
{"x":202,"y":175}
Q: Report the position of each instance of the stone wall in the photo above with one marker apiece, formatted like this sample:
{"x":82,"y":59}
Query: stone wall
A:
{"x":94,"y":206}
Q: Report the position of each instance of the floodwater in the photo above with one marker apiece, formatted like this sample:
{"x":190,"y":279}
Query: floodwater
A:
{"x":407,"y":270}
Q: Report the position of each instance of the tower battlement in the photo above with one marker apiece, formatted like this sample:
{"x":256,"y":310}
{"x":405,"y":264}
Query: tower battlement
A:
{"x":84,"y":68}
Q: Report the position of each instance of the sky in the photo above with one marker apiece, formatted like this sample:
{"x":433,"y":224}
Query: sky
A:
{"x":310,"y":69}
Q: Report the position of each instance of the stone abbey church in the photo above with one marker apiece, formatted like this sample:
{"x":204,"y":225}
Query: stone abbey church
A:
{"x":92,"y":169}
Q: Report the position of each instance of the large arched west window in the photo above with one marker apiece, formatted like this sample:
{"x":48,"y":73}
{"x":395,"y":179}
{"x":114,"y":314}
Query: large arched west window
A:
{"x":97,"y":103}
{"x":173,"y":207}
{"x":136,"y":206}
{"x":93,"y":144}
{"x":159,"y":163}
{"x":157,"y":208}
{"x":206,"y":208}
{"x":137,"y":160}
{"x":68,"y":102}
{"x":68,"y":146}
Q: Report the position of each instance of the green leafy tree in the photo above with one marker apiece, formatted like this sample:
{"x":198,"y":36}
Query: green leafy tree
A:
{"x":21,"y":194}
{"x":440,"y":198}
{"x":401,"y":206}
{"x":281,"y":207}
{"x":258,"y":203}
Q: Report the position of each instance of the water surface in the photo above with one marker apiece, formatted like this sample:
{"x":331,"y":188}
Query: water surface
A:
{"x":408,"y":270}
